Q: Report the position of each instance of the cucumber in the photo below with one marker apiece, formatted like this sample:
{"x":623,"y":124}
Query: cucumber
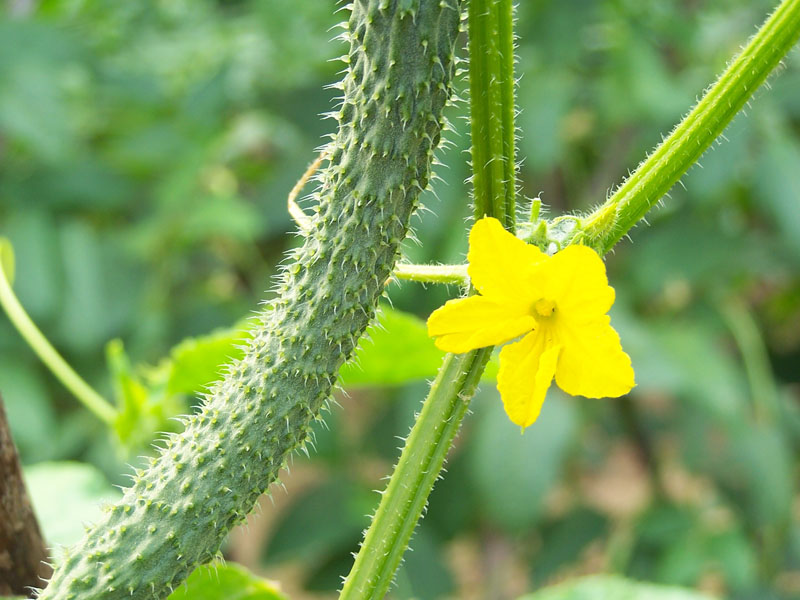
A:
{"x":178,"y":511}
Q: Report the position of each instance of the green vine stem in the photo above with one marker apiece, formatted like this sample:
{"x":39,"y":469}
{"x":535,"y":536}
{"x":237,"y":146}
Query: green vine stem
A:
{"x":492,"y":109}
{"x":85,"y":394}
{"x":421,"y":461}
{"x":414,"y":475}
{"x":454,"y":274}
{"x":687,"y":142}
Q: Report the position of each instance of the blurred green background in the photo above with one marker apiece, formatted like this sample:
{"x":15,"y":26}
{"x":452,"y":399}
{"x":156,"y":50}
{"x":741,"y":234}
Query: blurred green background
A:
{"x":146,"y":151}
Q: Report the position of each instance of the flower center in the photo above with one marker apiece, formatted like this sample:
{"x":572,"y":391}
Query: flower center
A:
{"x":544,"y":307}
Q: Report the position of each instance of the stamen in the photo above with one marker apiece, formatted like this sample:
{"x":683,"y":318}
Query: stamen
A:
{"x":544,"y":307}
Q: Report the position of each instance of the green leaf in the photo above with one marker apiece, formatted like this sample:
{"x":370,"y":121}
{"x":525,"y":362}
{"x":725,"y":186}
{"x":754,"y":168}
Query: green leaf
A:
{"x":760,"y":470}
{"x":564,"y":541}
{"x":778,"y":185}
{"x":31,"y":416}
{"x":328,"y":518}
{"x":143,"y":411}
{"x":226,"y":582}
{"x":606,"y":587}
{"x":424,"y":573}
{"x":195,"y":363}
{"x":399,"y":351}
{"x":513,"y":471}
{"x":396,"y":351}
{"x":65,"y":495}
{"x":7,"y":259}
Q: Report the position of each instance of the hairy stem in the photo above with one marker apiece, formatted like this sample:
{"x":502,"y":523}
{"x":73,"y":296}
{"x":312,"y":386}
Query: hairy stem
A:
{"x":456,"y":274}
{"x":414,"y":475}
{"x":687,"y":142}
{"x":492,"y":90}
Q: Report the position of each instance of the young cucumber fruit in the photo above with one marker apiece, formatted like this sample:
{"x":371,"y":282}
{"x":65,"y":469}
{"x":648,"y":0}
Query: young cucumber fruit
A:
{"x":177,"y":512}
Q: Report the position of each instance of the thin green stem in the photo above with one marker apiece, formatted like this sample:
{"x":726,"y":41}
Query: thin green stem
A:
{"x":673,"y":157}
{"x":85,"y":394}
{"x":456,"y":274}
{"x":492,"y":109}
{"x":414,"y":475}
{"x":745,"y":331}
{"x":492,"y":103}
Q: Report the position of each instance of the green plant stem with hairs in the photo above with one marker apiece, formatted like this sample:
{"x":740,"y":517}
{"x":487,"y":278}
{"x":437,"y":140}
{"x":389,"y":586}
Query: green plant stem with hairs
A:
{"x":422,"y":458}
{"x":490,"y":23}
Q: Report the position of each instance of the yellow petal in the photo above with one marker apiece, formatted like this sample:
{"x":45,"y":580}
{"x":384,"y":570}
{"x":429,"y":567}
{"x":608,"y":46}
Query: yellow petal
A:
{"x":526,"y":371}
{"x":501,"y":266}
{"x":592,"y":362}
{"x":577,"y":282}
{"x":475,"y":322}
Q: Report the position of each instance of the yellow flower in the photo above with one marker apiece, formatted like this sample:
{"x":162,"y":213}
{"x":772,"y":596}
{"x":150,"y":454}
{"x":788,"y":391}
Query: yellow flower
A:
{"x":559,"y":303}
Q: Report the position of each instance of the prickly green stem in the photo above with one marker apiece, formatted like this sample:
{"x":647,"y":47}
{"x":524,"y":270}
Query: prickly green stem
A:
{"x":492,"y":91}
{"x":84,"y":393}
{"x":455,"y":274}
{"x":414,"y":475}
{"x":673,"y":157}
{"x":492,"y":109}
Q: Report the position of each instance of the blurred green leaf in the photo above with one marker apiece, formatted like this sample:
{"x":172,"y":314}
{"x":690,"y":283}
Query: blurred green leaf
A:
{"x":609,"y":587}
{"x":513,"y":472}
{"x":33,"y":111}
{"x":326,"y":519}
{"x":195,"y":363}
{"x":30,"y":415}
{"x":564,"y":541}
{"x":227,"y":581}
{"x":143,"y":412}
{"x":684,"y":560}
{"x":38,"y":280}
{"x":688,"y":358}
{"x":399,"y":351}
{"x":65,"y":496}
{"x":84,"y":319}
{"x":424,"y":573}
{"x":395,"y":351}
{"x":760,"y":468}
{"x":779,"y":187}
{"x":678,"y":545}
{"x":736,"y":558}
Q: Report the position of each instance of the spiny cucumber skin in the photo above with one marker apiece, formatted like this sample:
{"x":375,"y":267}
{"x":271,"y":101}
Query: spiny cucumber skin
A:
{"x":177,"y":512}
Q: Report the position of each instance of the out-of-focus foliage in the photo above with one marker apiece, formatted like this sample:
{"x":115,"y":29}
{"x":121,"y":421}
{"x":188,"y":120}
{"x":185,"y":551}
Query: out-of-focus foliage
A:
{"x":66,"y":496}
{"x":226,"y":582}
{"x":605,"y":587}
{"x":146,"y":151}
